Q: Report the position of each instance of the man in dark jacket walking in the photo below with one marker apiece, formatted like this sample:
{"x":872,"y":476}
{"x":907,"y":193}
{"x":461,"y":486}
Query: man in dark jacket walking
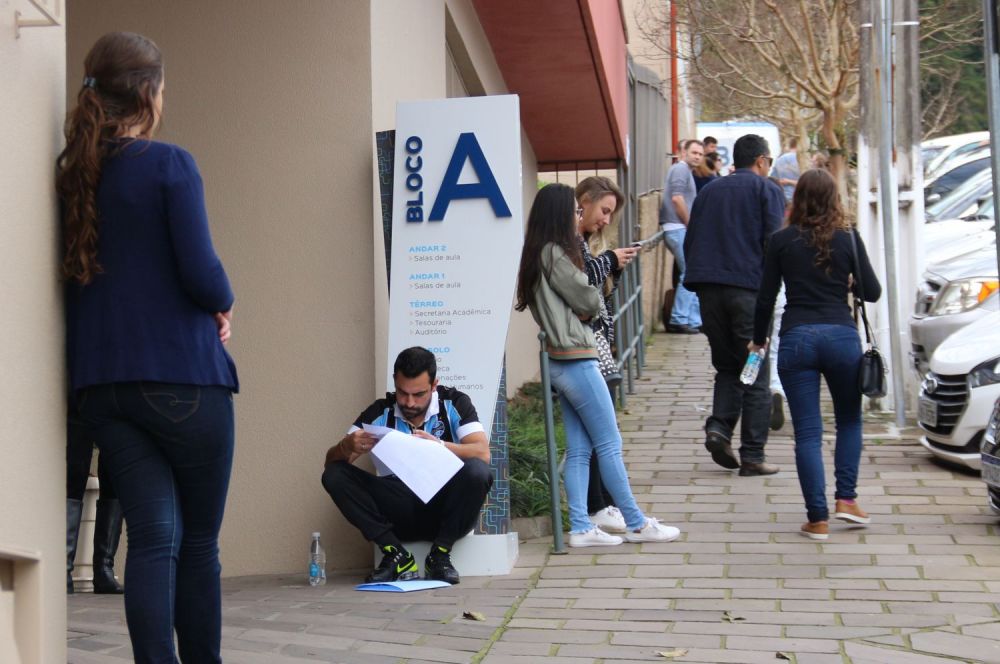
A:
{"x":731,"y":220}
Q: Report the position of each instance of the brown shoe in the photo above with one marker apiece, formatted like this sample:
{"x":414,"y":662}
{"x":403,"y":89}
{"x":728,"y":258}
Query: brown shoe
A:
{"x":846,"y":511}
{"x":750,"y":469}
{"x":817,"y":530}
{"x":721,"y":449}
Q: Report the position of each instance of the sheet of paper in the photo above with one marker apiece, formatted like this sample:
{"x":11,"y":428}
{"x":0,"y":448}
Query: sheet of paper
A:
{"x":423,"y":465}
{"x":402,"y":586}
{"x":379,"y":432}
{"x":376,"y":430}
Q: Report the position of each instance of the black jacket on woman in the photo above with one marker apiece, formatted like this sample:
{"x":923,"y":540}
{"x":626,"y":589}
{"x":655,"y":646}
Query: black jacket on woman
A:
{"x":815,"y":294}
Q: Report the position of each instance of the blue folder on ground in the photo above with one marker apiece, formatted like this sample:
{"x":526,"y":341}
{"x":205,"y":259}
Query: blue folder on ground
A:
{"x":402,"y":586}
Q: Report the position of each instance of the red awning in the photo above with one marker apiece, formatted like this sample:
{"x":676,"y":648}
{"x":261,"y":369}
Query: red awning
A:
{"x":566,"y":59}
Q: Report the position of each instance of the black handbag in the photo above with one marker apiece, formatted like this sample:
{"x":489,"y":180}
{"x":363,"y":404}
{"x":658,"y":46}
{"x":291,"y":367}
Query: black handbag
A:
{"x":872,"y":369}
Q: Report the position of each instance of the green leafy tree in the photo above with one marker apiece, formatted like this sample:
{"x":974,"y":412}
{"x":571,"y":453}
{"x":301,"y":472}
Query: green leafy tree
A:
{"x":952,"y":74}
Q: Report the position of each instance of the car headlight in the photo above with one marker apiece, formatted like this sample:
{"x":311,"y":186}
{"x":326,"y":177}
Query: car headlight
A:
{"x":959,"y":296}
{"x":987,"y":373}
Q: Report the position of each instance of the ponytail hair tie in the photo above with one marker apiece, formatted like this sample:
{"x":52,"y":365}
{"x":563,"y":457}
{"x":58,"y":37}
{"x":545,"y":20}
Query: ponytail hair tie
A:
{"x":90,"y":82}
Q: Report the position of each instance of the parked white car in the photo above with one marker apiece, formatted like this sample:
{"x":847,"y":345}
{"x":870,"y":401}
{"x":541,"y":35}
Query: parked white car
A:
{"x":991,"y":459}
{"x":953,"y":174}
{"x":964,"y":200}
{"x":958,"y":393}
{"x":953,"y":294}
{"x":945,"y":241}
{"x":938,"y":151}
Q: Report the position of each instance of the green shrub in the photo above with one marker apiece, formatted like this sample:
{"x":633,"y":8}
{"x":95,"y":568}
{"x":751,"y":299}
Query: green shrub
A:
{"x":529,"y":467}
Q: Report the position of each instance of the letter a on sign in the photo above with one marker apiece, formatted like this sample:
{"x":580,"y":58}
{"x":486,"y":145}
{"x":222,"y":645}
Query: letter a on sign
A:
{"x":468,"y":148}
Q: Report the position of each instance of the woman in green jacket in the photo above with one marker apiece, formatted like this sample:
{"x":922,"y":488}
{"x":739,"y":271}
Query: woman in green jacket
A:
{"x":552,"y":283}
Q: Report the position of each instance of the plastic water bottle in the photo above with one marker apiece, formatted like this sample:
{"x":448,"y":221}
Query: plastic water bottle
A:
{"x":752,"y":367}
{"x":317,"y":562}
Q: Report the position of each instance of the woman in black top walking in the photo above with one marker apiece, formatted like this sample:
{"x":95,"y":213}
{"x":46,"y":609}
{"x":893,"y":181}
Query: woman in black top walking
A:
{"x":813,"y":255}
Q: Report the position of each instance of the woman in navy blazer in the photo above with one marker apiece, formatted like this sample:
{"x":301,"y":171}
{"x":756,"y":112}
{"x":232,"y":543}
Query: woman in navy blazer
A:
{"x":148,"y":311}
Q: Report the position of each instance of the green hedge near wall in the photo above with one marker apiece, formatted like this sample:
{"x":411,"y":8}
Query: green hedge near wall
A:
{"x":529,"y":466}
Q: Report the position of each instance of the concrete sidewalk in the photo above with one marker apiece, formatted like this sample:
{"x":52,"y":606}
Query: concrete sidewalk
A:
{"x":921,"y":585}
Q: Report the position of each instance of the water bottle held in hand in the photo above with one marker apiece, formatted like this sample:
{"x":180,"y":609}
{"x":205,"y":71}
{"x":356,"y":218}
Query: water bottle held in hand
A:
{"x":752,"y":367}
{"x":317,"y":562}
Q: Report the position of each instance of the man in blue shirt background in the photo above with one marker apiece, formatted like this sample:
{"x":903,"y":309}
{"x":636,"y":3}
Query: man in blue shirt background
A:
{"x":731,"y":221}
{"x":786,"y":169}
{"x":679,"y":192}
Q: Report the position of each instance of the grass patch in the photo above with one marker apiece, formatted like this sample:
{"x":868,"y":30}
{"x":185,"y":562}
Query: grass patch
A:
{"x":529,"y":466}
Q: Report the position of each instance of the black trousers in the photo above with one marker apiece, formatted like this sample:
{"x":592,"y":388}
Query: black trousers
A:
{"x":383,"y":507}
{"x":727,"y":320}
{"x":79,"y":450}
{"x":597,"y":496}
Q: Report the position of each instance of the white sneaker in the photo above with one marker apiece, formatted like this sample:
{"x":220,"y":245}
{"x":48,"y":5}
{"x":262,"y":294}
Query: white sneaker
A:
{"x":610,"y":520}
{"x":593,"y":537}
{"x":653,"y":531}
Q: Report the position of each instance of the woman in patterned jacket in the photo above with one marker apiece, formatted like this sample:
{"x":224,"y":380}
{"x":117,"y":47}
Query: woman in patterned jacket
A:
{"x":598,"y":199}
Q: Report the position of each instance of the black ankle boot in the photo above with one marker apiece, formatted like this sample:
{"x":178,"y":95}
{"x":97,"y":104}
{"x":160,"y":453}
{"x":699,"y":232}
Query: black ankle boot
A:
{"x":74,"y":510}
{"x":107,"y":531}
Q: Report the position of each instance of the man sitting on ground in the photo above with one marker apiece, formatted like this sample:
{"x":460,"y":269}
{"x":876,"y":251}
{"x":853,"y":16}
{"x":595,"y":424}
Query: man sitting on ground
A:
{"x":384,"y":509}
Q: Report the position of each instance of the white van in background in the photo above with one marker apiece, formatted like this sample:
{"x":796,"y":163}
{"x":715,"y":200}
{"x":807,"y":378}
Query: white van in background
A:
{"x":727,"y":133}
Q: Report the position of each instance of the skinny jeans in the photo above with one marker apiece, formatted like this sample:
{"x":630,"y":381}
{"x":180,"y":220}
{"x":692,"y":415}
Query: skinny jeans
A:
{"x":169,"y":452}
{"x":589,"y":418}
{"x":833,"y":352}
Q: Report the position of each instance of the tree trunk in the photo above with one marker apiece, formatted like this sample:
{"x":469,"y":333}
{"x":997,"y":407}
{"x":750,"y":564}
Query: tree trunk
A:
{"x":838,"y":157}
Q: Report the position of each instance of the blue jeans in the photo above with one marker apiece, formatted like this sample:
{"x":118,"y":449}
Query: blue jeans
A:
{"x":169,"y":450}
{"x":833,"y":351}
{"x":589,"y":417}
{"x":686,"y":309}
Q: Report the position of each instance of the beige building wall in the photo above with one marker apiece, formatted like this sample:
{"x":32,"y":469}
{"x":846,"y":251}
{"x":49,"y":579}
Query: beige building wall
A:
{"x":32,"y":395}
{"x":274,"y":102}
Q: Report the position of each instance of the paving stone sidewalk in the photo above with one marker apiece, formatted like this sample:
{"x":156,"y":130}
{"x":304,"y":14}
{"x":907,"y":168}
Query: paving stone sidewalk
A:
{"x":921,"y":585}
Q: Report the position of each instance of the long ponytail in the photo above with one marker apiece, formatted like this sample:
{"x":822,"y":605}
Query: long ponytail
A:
{"x":123,"y":74}
{"x":79,"y":171}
